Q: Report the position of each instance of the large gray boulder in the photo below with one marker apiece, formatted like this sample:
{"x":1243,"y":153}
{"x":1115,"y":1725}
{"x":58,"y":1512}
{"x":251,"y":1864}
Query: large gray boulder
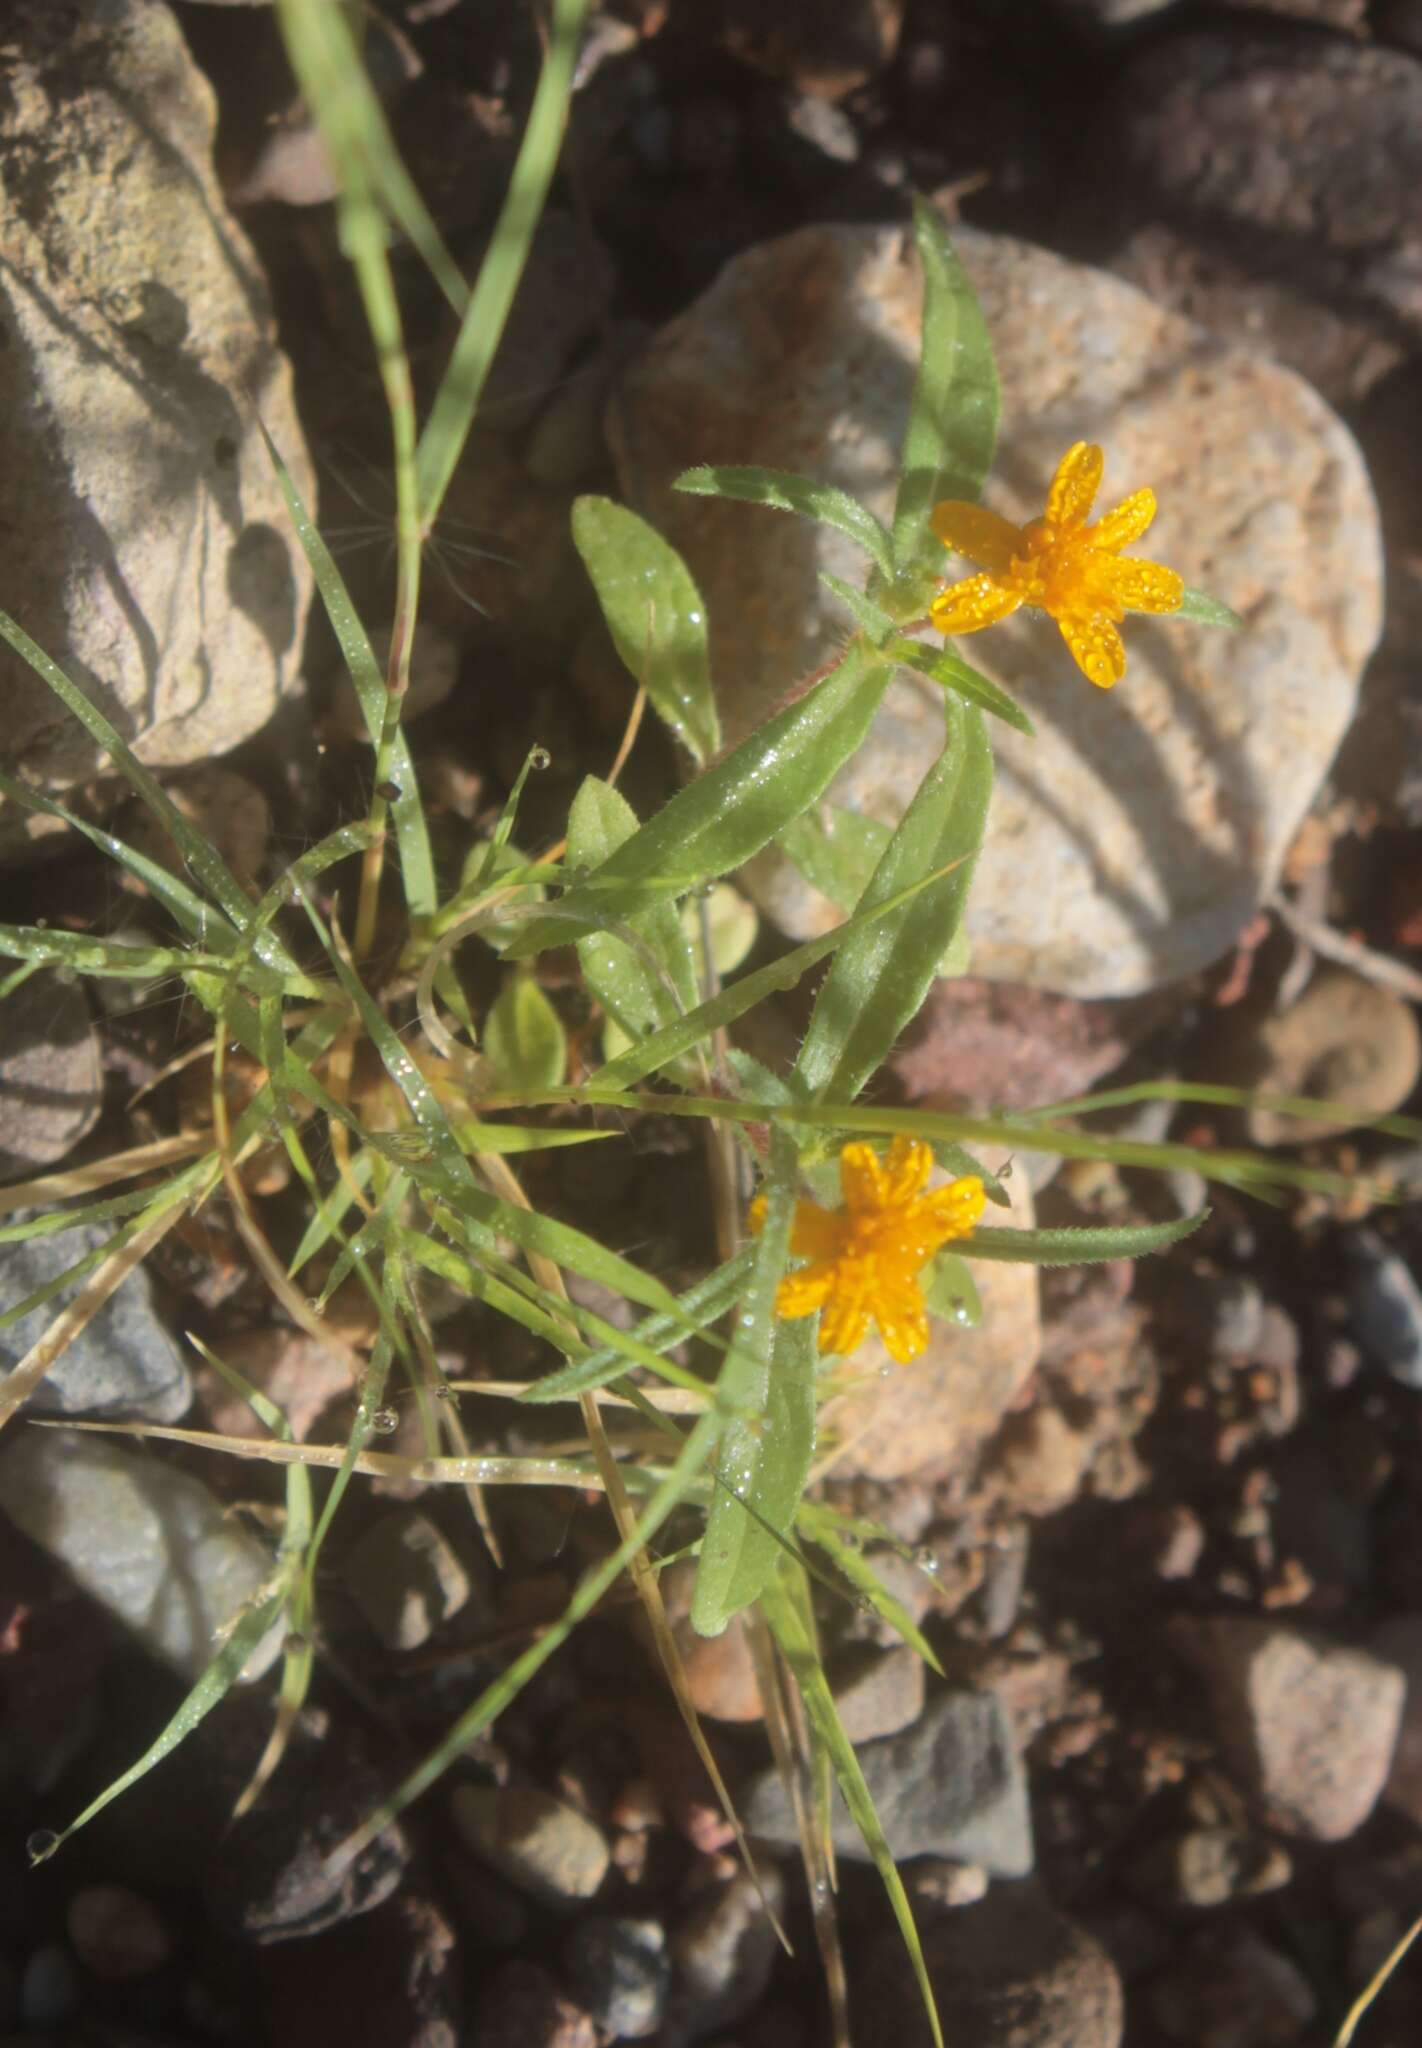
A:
{"x":146,"y":546}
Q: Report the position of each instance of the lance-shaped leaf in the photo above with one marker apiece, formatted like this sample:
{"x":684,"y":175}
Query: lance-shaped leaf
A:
{"x":655,"y":615}
{"x":952,"y":427}
{"x":881,"y":976}
{"x":800,"y":494}
{"x":640,"y":988}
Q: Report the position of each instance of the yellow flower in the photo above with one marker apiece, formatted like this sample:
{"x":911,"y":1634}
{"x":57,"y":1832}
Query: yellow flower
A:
{"x":1058,"y":564}
{"x":864,"y":1259}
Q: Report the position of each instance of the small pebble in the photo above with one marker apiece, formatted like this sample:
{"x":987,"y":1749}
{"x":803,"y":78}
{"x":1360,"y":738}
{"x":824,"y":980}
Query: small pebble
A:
{"x":547,"y":1848}
{"x":50,"y":1990}
{"x":619,"y":1971}
{"x":116,"y":1933}
{"x":1386,"y":1307}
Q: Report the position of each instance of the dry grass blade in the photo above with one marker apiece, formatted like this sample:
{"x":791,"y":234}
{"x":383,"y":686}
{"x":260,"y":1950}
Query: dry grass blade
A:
{"x":1361,"y":2004}
{"x":52,"y":1188}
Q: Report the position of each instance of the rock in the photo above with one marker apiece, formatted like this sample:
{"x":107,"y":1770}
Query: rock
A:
{"x":1210,"y":1866}
{"x":564,"y":294}
{"x":620,"y":1972}
{"x":391,"y":1977}
{"x":303,"y":1377}
{"x":521,"y":2006}
{"x":1345,"y":1040}
{"x":1385,"y":1306}
{"x":116,"y":1933}
{"x":722,"y":1953}
{"x":1399,"y":1643}
{"x":1342,"y":352}
{"x":51,"y":1082}
{"x":145,"y":1540}
{"x":925,"y":1419}
{"x":405,"y":1578}
{"x":50,"y":1989}
{"x":539,"y":1843}
{"x":952,"y":1785}
{"x":122,"y":1363}
{"x":1230,"y":1986}
{"x":1304,"y":150}
{"x":1040,"y":1460}
{"x":230,"y":812}
{"x":828,"y":54}
{"x":996,"y":1046}
{"x":1109,"y":14}
{"x":880,"y":1693}
{"x":1173,"y":800}
{"x":1309,"y":1726}
{"x":720,"y":1670}
{"x":279,"y":1877}
{"x":434,"y":671}
{"x":1011,"y":1971}
{"x":166,"y":578}
{"x":941,"y":1886}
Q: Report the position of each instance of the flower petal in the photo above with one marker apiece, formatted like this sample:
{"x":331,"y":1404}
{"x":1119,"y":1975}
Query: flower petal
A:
{"x":1145,"y":586}
{"x":800,"y":1294}
{"x":968,"y":607}
{"x":987,"y":539}
{"x":907,"y":1166}
{"x":1075,"y":485}
{"x":862,"y":1178}
{"x":1096,"y":646}
{"x":845,"y":1322}
{"x":903,"y":1322}
{"x":954,"y":1210}
{"x":1124,"y":523}
{"x":818,"y":1233}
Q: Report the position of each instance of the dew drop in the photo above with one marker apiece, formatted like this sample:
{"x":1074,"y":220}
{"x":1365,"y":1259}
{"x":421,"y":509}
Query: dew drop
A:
{"x":388,"y":792}
{"x":41,"y":1845}
{"x":962,"y":1313}
{"x":385,"y":1421}
{"x":928,"y":1561}
{"x":296,"y":1644}
{"x":704,"y":889}
{"x":539,"y":757}
{"x":444,"y":1392}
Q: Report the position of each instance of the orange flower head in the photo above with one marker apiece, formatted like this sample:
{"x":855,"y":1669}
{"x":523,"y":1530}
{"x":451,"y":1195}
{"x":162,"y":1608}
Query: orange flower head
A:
{"x":1058,"y":564}
{"x":863,"y":1260}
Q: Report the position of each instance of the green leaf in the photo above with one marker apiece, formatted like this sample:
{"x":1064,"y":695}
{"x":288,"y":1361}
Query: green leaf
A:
{"x":952,"y":427}
{"x":697,"y":1309}
{"x":1078,"y":1247}
{"x":799,"y":494}
{"x":951,"y":1293}
{"x":874,"y":620}
{"x":880,"y":977}
{"x":641,"y":992}
{"x":950,"y":672}
{"x":1205,"y":610}
{"x":827,"y":1529}
{"x":523,"y":1039}
{"x":655,"y":615}
{"x":718,"y":821}
{"x":836,"y":850}
{"x":768,"y":1379}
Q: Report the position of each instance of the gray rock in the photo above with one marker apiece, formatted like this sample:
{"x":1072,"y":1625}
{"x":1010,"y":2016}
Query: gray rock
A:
{"x":122,"y":1363}
{"x":147,"y":1542}
{"x":1346,"y":1040}
{"x":405,"y":1578}
{"x":50,"y":1989}
{"x":620,"y":1973}
{"x":117,"y":1933}
{"x":722,"y":1954}
{"x":880,"y":1693}
{"x":51,"y":1084}
{"x":1309,"y":1726}
{"x":1386,"y":1307}
{"x":1174,"y":798}
{"x":1011,"y":1971}
{"x":541,"y":1844}
{"x":952,"y":1785}
{"x":149,"y":547}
